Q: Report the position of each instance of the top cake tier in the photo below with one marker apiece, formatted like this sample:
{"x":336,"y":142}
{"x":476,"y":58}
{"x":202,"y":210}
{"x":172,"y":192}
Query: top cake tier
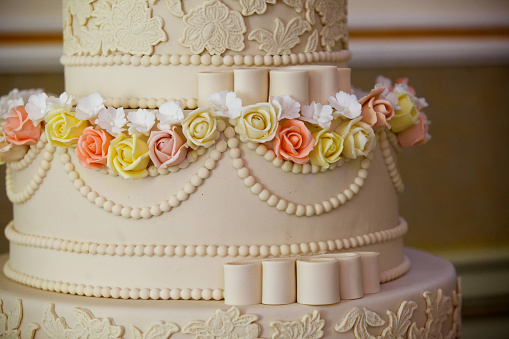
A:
{"x":144,"y":52}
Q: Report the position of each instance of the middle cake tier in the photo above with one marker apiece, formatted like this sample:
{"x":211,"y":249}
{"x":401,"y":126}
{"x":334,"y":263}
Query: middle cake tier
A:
{"x":175,"y":228}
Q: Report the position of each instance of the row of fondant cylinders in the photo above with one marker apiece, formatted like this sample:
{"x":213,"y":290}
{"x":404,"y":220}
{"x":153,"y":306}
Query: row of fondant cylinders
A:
{"x":314,"y":280}
{"x":254,"y":85}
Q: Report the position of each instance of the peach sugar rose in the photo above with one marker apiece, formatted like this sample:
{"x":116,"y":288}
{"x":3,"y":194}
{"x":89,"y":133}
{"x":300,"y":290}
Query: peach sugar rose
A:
{"x":375,"y":110}
{"x":293,"y":142}
{"x":166,"y":148}
{"x":92,"y":149}
{"x":19,"y":129}
{"x":415,"y":135}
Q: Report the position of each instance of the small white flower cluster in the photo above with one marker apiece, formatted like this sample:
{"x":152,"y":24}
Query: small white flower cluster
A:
{"x":114,"y":120}
{"x":392,"y":94}
{"x":40,"y":104}
{"x":15,"y":98}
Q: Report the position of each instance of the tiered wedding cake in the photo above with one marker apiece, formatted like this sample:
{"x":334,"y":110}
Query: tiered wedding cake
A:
{"x":198,"y":133}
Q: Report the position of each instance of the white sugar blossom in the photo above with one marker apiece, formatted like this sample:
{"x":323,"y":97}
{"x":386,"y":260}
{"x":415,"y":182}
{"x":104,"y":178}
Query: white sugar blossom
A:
{"x":88,"y":107}
{"x":382,"y":81}
{"x":112,"y":120}
{"x":346,"y":105}
{"x":170,"y":113}
{"x":318,"y":114}
{"x":63,"y":101}
{"x":141,"y":121}
{"x":290,"y":108}
{"x":37,"y":107}
{"x":226,"y":103}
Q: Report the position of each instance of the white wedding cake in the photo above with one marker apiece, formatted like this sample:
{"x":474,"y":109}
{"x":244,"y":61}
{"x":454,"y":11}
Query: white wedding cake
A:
{"x":197,"y":144}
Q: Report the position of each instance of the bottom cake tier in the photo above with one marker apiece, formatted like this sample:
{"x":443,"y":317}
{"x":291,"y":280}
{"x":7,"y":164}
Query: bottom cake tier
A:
{"x":424,"y":303}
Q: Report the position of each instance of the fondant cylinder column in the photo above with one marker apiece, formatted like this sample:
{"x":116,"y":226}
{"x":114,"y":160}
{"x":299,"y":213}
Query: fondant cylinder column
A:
{"x":279,"y":285}
{"x":211,"y":82}
{"x":323,"y":82}
{"x":292,"y":82}
{"x":345,"y":80}
{"x":350,"y":275}
{"x":251,"y":85}
{"x":317,"y":281}
{"x":243,"y":282}
{"x":370,"y":272}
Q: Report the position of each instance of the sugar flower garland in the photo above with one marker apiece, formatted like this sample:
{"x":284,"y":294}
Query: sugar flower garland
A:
{"x":128,"y":141}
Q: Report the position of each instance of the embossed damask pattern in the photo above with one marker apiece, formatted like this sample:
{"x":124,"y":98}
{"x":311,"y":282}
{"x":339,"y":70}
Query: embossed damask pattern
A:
{"x":104,"y":27}
{"x":110,"y":26}
{"x":283,"y":39}
{"x":213,"y":27}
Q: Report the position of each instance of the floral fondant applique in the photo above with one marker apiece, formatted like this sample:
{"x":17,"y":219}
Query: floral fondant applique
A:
{"x":283,"y":39}
{"x":10,"y":323}
{"x":310,"y":327}
{"x":214,"y":27}
{"x":224,"y":325}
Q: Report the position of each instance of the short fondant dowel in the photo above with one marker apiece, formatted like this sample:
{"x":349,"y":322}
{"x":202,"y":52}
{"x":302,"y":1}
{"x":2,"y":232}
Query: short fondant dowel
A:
{"x":323,"y":82}
{"x":292,"y":82}
{"x":317,"y":281}
{"x":350,"y":275}
{"x":344,"y":80}
{"x":279,"y":285}
{"x":370,"y":272}
{"x":251,"y":85}
{"x":243,"y":282}
{"x":211,"y":82}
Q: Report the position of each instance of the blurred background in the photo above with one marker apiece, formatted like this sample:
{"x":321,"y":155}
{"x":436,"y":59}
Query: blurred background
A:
{"x":456,"y":55}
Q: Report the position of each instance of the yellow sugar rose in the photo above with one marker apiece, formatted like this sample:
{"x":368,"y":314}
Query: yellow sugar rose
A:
{"x":359,"y":138}
{"x":406,"y":116}
{"x":128,"y":157}
{"x":259,"y":122}
{"x":63,"y":128}
{"x":327,"y":149}
{"x":200,"y":128}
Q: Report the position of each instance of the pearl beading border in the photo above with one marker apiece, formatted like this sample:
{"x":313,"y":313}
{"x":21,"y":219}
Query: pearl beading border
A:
{"x":262,"y":251}
{"x":112,"y":292}
{"x":157,"y":209}
{"x":206,"y":59}
{"x":282,"y":204}
{"x":35,"y":183}
{"x":390,"y":163}
{"x":395,"y":272}
{"x":142,"y":293}
{"x":30,"y":156}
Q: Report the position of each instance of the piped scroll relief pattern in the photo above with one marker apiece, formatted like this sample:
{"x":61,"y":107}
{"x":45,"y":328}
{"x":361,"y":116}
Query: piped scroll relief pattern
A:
{"x":86,"y":326}
{"x":225,"y":325}
{"x":126,"y":26}
{"x":213,"y":27}
{"x":159,"y":330}
{"x":283,"y":39}
{"x":310,"y":327}
{"x":10,"y":323}
{"x":438,"y":309}
{"x":231,"y":324}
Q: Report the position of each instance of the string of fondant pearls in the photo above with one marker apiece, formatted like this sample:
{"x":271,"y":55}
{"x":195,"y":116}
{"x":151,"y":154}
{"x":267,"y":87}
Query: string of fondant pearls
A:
{"x":390,"y":162}
{"x":310,"y":280}
{"x":304,"y":83}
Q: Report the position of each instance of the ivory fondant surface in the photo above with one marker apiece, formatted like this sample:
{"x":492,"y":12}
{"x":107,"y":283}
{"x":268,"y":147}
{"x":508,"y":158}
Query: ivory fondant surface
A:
{"x":175,"y":40}
{"x":431,"y":284}
{"x":90,"y":241}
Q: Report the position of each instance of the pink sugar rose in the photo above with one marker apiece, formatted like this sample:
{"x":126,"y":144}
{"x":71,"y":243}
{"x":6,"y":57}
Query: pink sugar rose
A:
{"x":375,"y":110}
{"x":166,"y":148}
{"x":293,"y":142}
{"x":416,"y":134}
{"x":19,"y":129}
{"x":92,"y":149}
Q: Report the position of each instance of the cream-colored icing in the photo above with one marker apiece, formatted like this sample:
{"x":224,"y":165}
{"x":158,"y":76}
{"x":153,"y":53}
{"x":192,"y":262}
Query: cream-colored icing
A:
{"x":431,"y":283}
